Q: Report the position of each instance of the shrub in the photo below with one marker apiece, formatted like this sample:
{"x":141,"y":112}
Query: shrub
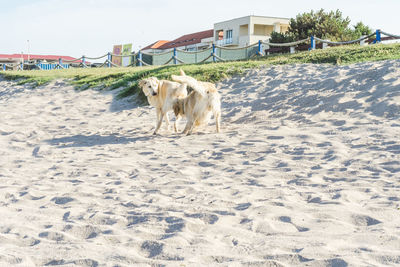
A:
{"x":325,"y":25}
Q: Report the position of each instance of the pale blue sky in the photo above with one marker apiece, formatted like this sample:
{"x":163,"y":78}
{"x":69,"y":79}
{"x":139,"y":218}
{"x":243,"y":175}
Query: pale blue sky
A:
{"x":92,"y":27}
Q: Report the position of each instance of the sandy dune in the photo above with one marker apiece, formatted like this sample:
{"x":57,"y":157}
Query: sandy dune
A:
{"x":305,"y":173}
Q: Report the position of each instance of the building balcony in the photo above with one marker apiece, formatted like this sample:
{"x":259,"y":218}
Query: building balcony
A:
{"x":227,"y":42}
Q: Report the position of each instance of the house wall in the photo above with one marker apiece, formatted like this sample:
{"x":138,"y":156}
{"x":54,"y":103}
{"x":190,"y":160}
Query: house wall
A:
{"x":205,"y":43}
{"x":234,"y":25}
{"x":151,"y":51}
{"x":244,"y":30}
{"x":284,"y":28}
{"x":260,"y":29}
{"x":9,"y":61}
{"x":250,"y":29}
{"x":270,"y":24}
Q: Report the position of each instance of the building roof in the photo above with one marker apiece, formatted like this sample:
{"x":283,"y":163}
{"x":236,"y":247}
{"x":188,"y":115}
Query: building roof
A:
{"x":155,"y":45}
{"x":41,"y":57}
{"x":188,"y":39}
{"x":254,"y":16}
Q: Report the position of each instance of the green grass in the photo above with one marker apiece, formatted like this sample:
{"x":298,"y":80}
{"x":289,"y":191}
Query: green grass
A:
{"x":127,"y":78}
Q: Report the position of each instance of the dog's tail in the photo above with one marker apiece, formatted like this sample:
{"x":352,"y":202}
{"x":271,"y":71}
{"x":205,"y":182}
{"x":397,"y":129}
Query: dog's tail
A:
{"x":192,"y":82}
{"x":182,"y":72}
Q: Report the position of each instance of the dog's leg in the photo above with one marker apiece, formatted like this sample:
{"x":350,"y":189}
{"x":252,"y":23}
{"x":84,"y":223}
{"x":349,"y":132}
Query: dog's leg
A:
{"x":185,"y":131}
{"x":177,"y":119}
{"x":159,"y":122}
{"x":158,"y":116}
{"x":167,"y":120}
{"x":217,"y":116}
{"x":191,"y":127}
{"x":189,"y":124}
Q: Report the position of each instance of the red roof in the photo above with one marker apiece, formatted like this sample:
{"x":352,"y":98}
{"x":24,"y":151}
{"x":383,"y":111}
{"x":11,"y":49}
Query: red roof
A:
{"x":188,"y":39}
{"x":41,"y":57}
{"x":155,"y":45}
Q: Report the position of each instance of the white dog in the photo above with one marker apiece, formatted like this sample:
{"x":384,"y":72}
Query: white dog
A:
{"x":161,"y":94}
{"x":199,"y":105}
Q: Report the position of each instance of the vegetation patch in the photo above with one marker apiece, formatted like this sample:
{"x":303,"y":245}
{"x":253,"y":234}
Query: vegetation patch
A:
{"x":127,"y":78}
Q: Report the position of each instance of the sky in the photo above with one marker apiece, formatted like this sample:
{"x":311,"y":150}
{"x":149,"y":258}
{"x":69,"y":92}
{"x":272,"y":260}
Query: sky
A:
{"x":92,"y":27}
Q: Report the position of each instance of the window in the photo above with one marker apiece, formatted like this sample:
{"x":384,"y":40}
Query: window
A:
{"x":228,"y":39}
{"x":229,"y":34}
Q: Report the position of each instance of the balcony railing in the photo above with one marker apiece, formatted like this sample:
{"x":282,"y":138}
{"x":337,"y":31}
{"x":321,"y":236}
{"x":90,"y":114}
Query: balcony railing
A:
{"x":226,"y":41}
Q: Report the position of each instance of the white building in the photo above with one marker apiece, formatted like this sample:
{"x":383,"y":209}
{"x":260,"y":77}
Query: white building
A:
{"x":235,"y":32}
{"x":248,"y":30}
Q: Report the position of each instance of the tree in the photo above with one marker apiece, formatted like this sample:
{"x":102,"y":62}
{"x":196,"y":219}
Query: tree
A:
{"x":278,"y":37}
{"x":325,"y":25}
{"x":320,"y":24}
{"x":361,"y":29}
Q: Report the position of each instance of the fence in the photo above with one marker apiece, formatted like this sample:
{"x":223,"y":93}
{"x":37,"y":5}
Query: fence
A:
{"x":212,"y":54}
{"x":38,"y":65}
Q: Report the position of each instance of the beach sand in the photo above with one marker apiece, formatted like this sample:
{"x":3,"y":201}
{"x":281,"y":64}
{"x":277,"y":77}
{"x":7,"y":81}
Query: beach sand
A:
{"x":306,"y":172}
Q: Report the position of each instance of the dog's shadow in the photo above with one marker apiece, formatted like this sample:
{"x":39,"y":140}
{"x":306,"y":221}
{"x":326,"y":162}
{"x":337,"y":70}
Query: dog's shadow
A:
{"x":93,"y":140}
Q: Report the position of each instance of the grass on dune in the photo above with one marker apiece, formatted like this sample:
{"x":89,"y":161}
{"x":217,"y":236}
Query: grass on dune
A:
{"x":128,"y":78}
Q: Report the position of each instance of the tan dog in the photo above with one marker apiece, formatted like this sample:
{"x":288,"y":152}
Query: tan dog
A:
{"x":199,"y":105}
{"x":161,"y":94}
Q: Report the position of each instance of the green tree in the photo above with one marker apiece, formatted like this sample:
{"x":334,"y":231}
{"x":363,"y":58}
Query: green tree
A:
{"x":325,"y":25}
{"x":361,"y":29}
{"x":278,"y":37}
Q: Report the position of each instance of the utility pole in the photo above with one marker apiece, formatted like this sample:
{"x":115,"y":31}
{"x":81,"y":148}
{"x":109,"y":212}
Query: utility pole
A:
{"x":28,"y":51}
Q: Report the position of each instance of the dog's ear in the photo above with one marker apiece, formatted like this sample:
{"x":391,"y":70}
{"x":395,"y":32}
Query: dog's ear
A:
{"x":182,"y":73}
{"x":159,"y":84}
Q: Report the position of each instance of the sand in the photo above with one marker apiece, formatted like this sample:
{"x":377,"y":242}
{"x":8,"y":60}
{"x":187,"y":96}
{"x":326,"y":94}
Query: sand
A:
{"x":306,"y":172}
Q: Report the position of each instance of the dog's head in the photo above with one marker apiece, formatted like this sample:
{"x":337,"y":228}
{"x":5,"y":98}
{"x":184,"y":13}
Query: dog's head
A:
{"x":149,"y":86}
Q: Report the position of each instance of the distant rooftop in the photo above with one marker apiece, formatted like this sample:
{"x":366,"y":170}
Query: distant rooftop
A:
{"x":155,"y":45}
{"x":187,"y":39}
{"x":35,"y":57}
